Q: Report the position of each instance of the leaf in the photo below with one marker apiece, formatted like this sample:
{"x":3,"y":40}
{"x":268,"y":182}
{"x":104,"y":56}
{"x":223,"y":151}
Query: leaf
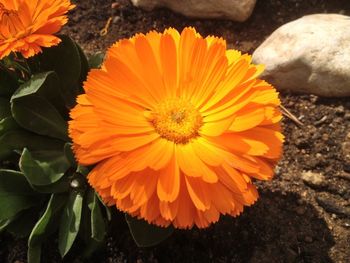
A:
{"x":34,"y":254}
{"x":147,"y":235}
{"x":5,"y":109}
{"x":96,"y":60}
{"x":15,"y":194}
{"x":45,"y":85}
{"x":98,"y":224}
{"x":7,"y":124}
{"x":43,"y":167}
{"x":45,"y":226}
{"x":39,"y":116}
{"x":70,"y":222}
{"x":69,"y":154}
{"x":8,"y":83}
{"x":65,"y":60}
{"x":4,"y":223}
{"x":18,"y":139}
{"x":61,"y":186}
{"x":21,"y":226}
{"x":84,"y":64}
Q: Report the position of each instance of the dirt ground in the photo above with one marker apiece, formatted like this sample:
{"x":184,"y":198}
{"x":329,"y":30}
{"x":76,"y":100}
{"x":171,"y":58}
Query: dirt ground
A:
{"x":294,"y":220}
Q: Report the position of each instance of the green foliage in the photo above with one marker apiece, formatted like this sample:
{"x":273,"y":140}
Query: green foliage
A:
{"x":70,"y":64}
{"x":45,"y":192}
{"x":96,"y":60}
{"x":146,"y":235}
{"x":70,"y":222}
{"x":16,"y":194}
{"x":44,"y":167}
{"x":8,"y":81}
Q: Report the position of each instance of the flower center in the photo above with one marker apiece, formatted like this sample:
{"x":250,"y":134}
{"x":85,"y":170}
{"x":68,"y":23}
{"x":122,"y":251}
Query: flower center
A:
{"x":176,"y":120}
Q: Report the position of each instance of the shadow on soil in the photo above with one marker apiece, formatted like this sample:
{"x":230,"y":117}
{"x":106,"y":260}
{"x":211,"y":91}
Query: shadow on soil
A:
{"x":279,"y":228}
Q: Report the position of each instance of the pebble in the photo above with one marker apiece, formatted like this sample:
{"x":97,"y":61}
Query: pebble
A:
{"x":314,"y":180}
{"x":347,"y":116}
{"x":331,"y":206}
{"x":300,"y":210}
{"x":308,"y":239}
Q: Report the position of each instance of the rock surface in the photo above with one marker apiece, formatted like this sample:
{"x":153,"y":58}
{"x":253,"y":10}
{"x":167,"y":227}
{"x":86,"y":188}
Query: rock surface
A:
{"x":309,"y":55}
{"x":237,"y":10}
{"x":315,"y":180}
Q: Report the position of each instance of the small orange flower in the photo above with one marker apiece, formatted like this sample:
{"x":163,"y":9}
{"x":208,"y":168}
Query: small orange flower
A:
{"x":178,"y":126}
{"x":28,"y":25}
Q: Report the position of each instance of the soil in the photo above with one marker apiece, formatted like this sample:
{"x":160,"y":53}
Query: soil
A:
{"x":294,"y":220}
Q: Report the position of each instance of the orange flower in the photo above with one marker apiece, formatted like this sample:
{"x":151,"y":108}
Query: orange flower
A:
{"x":28,"y":25}
{"x":178,"y":127}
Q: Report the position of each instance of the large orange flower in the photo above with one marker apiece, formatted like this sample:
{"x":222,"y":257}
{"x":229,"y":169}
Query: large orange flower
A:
{"x":178,"y":126}
{"x":28,"y":25}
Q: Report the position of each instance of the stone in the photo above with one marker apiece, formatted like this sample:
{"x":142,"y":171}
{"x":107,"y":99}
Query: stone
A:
{"x":237,"y":10}
{"x":331,"y":205}
{"x":314,"y":180}
{"x":310,"y":55}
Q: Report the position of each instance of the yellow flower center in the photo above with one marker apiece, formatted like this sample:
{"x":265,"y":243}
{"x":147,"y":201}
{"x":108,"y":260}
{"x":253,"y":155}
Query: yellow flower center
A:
{"x":176,"y":120}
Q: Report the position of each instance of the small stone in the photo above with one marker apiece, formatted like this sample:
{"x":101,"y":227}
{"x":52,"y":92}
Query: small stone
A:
{"x":308,"y":239}
{"x":237,"y":10}
{"x":115,"y":5}
{"x":325,"y":137}
{"x":300,"y":210}
{"x":339,"y":110}
{"x":344,"y":175}
{"x":116,"y":19}
{"x":333,"y":206}
{"x":314,"y":180}
{"x":347,"y":116}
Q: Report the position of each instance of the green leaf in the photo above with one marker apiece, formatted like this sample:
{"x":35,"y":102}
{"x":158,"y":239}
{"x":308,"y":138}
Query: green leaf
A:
{"x":5,"y":109}
{"x":45,"y":85}
{"x":84,"y":64}
{"x":34,"y":254}
{"x":37,"y":115}
{"x":4,"y":224}
{"x":69,"y":154}
{"x":65,"y":60}
{"x":98,"y":224}
{"x":21,"y":226}
{"x":8,"y":83}
{"x":15,"y":194}
{"x":43,"y":167}
{"x":70,"y":222}
{"x":18,"y":139}
{"x":96,"y":60}
{"x":147,"y":235}
{"x":61,"y":186}
{"x":45,"y":226}
{"x":7,"y":124}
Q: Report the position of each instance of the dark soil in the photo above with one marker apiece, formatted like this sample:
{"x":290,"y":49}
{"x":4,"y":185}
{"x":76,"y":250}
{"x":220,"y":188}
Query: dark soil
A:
{"x":293,"y":221}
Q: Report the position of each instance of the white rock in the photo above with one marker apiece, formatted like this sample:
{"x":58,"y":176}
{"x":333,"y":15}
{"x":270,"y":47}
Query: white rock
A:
{"x":309,"y":55}
{"x":238,"y":10}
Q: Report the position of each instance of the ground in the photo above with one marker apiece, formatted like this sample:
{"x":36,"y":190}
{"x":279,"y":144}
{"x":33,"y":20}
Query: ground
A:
{"x":294,"y":220}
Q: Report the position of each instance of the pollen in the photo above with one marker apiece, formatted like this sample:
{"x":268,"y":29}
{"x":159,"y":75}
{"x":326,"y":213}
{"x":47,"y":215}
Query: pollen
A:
{"x":176,"y":120}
